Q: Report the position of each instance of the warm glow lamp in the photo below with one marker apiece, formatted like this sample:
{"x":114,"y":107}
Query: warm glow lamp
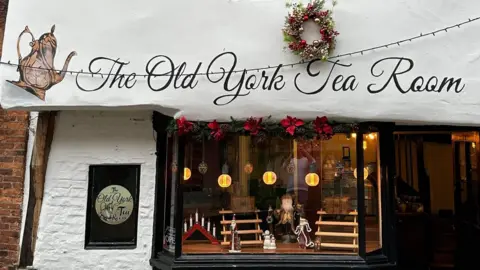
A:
{"x":354,"y":135}
{"x":365,"y":173}
{"x":312,"y":179}
{"x":269,"y":178}
{"x":187,"y":173}
{"x":364,"y":145}
{"x":224,"y":180}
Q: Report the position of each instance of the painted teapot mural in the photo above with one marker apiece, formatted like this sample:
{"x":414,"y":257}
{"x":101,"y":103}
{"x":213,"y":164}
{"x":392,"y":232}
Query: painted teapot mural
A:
{"x":37,"y":71}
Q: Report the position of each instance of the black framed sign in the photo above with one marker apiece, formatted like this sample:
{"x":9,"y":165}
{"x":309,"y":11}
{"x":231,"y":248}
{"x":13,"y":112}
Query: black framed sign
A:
{"x":112,"y":206}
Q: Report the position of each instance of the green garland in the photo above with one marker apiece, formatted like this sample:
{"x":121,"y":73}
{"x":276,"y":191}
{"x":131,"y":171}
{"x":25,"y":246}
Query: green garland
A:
{"x":261,"y":129}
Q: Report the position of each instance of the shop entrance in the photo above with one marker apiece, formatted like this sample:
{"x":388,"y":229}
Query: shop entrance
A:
{"x":437,"y":192}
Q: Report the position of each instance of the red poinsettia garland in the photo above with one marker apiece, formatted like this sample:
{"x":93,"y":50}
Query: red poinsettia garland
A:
{"x":183,"y":126}
{"x":322,"y":127}
{"x":253,"y":125}
{"x":289,"y":127}
{"x":216,"y":130}
{"x":291,"y":123}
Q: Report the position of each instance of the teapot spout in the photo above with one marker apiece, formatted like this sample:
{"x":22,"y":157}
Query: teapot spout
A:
{"x":61,"y":75}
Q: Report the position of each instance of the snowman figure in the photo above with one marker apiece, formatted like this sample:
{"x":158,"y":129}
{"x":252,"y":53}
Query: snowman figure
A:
{"x":272,"y":243}
{"x":267,"y":240}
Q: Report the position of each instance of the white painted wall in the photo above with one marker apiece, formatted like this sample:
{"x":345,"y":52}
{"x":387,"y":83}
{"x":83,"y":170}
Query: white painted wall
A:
{"x":81,"y":139}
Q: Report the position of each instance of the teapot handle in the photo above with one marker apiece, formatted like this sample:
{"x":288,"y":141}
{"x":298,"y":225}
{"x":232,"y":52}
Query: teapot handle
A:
{"x":20,"y":37}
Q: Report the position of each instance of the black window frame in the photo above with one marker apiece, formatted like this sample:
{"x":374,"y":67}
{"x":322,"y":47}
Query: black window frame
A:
{"x":383,"y":257}
{"x":108,"y":245}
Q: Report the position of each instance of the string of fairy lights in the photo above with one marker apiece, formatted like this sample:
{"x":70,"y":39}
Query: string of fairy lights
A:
{"x":257,"y":69}
{"x":312,"y":179}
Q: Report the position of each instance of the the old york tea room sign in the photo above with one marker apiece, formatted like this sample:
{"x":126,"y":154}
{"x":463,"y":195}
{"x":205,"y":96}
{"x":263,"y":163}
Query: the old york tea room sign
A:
{"x":114,"y":204}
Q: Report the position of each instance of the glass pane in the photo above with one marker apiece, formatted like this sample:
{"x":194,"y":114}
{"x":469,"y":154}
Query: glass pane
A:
{"x":275,"y":196}
{"x":169,"y":222}
{"x":373,"y":206}
{"x":473,"y":171}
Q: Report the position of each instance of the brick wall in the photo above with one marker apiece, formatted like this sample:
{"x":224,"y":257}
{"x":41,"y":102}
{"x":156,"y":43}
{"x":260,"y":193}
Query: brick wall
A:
{"x":13,"y":138}
{"x":13,"y":141}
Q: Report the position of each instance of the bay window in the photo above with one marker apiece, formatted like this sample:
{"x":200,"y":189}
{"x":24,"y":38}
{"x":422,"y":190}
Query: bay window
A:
{"x":242,"y":196}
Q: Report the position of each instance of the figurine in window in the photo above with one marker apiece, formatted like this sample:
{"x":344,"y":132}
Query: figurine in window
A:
{"x":269,"y":219}
{"x":266,"y":240}
{"x":303,"y":234}
{"x":234,"y":237}
{"x":285,"y":217}
{"x":299,"y":213}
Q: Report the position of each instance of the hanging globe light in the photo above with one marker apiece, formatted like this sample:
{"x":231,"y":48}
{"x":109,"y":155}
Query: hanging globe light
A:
{"x":291,"y":167}
{"x":269,"y":177}
{"x":312,"y":179}
{"x":203,"y":167}
{"x":224,"y":180}
{"x":248,"y":168}
{"x":365,"y":173}
{"x":187,"y":173}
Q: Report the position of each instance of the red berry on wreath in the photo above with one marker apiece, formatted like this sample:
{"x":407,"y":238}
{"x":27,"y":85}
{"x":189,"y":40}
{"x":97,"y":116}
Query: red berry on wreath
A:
{"x":305,"y":18}
{"x":291,"y":19}
{"x":303,"y":42}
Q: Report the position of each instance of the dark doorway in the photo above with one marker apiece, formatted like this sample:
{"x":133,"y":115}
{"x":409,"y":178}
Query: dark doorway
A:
{"x":467,"y":223}
{"x":438,"y":221}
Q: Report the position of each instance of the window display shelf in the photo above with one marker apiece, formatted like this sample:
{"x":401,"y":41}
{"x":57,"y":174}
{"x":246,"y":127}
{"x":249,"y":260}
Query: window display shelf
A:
{"x":244,"y":243}
{"x":257,"y":232}
{"x":241,"y":221}
{"x":325,"y":230}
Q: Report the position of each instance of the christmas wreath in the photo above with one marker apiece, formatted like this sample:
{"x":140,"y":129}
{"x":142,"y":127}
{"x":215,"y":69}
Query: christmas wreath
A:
{"x":289,"y":127}
{"x":293,"y":29}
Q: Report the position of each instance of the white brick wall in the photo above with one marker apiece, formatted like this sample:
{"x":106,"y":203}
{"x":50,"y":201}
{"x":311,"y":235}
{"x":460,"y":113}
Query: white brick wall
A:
{"x":81,"y":139}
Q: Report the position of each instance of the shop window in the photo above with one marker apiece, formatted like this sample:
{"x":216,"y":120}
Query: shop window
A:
{"x":373,"y":189}
{"x":112,"y":207}
{"x":284,"y":196}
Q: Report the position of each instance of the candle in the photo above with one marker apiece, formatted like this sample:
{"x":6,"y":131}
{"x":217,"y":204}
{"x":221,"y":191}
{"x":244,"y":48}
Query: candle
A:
{"x":213,"y":233}
{"x":196,"y":216}
{"x":191,"y":221}
{"x":185,"y":225}
{"x":203,"y":221}
{"x":208,"y":225}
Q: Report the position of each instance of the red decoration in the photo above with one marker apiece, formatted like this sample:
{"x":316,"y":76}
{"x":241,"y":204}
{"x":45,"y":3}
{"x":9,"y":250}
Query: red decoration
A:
{"x":184,"y":126}
{"x":291,"y":123}
{"x":217,"y":131}
{"x":262,"y":128}
{"x":202,"y":230}
{"x":293,"y":29}
{"x":253,"y":125}
{"x":322,"y":127}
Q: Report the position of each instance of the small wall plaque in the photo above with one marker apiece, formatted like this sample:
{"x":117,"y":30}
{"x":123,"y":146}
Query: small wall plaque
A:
{"x":112,"y":208}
